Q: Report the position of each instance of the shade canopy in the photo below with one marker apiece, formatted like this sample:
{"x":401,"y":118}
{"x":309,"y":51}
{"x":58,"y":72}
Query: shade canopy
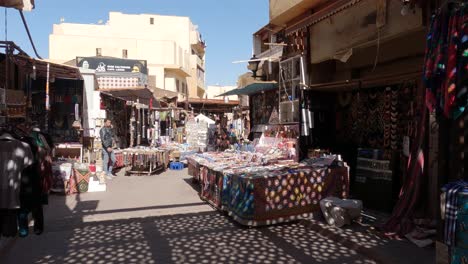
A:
{"x":143,"y":95}
{"x":27,"y":5}
{"x":253,"y":88}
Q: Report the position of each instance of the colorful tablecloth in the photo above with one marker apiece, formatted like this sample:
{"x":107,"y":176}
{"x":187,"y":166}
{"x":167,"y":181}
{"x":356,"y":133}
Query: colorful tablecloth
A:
{"x":263,"y":198}
{"x":261,"y":195}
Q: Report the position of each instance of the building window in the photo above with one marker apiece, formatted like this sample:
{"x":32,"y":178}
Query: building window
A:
{"x":178,"y":86}
{"x":124,"y":53}
{"x":151,"y":20}
{"x":98,"y":52}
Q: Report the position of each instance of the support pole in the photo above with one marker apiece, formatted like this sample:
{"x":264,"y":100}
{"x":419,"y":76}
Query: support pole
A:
{"x":47,"y":100}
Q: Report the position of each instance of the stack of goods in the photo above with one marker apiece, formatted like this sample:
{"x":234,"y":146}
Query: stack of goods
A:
{"x":192,"y":134}
{"x":315,"y":153}
{"x":179,"y":150}
{"x":280,"y":142}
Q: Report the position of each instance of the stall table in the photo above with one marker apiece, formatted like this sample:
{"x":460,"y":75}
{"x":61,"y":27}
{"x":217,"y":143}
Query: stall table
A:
{"x":257,"y":195}
{"x":145,"y":161}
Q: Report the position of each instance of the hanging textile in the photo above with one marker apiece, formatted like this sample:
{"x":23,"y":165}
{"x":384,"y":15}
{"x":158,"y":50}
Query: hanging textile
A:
{"x":401,"y":220}
{"x":446,"y":62}
{"x":451,"y":209}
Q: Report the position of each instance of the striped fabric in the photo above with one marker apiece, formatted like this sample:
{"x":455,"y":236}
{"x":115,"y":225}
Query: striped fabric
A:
{"x":451,"y":209}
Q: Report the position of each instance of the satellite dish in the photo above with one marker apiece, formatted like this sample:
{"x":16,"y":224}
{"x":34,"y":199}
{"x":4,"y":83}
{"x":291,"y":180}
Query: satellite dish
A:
{"x":100,"y":22}
{"x":62,"y":19}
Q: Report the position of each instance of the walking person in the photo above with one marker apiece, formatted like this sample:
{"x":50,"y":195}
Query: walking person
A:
{"x":107,"y":136}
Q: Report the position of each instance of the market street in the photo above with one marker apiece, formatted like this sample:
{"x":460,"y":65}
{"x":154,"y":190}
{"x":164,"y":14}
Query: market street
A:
{"x":171,"y":225}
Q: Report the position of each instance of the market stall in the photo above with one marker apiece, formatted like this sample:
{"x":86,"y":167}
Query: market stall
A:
{"x":259,"y":190}
{"x":145,"y":160}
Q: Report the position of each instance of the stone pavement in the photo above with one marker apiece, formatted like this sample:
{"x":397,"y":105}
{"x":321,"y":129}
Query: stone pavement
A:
{"x":160,"y":219}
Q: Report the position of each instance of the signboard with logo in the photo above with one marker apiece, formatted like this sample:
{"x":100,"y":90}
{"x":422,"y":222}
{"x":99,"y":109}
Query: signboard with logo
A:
{"x":112,"y":65}
{"x":115,"y":73}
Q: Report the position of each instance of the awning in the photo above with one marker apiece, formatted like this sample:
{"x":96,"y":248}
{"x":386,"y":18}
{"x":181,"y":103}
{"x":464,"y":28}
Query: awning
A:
{"x":58,"y":71}
{"x":253,"y":88}
{"x":326,"y":12}
{"x":26,"y":5}
{"x":143,"y":95}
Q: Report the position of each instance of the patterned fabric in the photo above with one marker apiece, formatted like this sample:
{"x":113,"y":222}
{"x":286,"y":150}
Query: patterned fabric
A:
{"x":193,"y":169}
{"x":211,"y":186}
{"x":451,"y":209}
{"x":119,"y":163}
{"x":446,"y":62}
{"x":281,"y":194}
{"x":79,"y":181}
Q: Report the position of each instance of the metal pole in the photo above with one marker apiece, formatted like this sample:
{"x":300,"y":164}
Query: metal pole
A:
{"x":47,"y":100}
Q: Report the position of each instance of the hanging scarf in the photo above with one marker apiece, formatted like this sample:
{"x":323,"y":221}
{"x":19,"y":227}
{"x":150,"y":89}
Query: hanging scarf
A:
{"x":446,"y":63}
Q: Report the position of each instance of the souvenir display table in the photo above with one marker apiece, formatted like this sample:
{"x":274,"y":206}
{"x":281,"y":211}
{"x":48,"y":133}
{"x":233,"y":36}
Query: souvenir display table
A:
{"x":145,"y":160}
{"x":257,"y":191}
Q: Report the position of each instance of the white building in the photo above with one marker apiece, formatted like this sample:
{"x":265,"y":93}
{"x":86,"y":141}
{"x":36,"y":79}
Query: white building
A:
{"x":171,"y":45}
{"x":212,"y":92}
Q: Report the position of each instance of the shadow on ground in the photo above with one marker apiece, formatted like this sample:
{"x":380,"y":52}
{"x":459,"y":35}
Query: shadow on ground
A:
{"x":192,"y":238}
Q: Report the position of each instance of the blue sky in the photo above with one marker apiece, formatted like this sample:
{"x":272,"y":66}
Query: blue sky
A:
{"x":226,"y":25}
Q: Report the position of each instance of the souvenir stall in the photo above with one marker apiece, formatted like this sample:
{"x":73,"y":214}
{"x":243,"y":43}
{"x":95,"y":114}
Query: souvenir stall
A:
{"x":160,"y":137}
{"x":71,"y":175}
{"x":446,"y":83}
{"x":260,"y":189}
{"x":198,"y":130}
{"x":54,"y":100}
{"x":119,"y":112}
{"x":137,"y":130}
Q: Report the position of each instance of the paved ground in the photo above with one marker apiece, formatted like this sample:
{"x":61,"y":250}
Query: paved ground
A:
{"x":160,"y":219}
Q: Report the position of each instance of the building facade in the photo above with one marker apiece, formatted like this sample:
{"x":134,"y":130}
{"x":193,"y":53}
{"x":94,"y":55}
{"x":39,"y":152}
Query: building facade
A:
{"x":171,"y":45}
{"x":212,"y":92}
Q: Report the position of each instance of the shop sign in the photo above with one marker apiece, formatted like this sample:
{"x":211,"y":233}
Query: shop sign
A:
{"x":112,"y":65}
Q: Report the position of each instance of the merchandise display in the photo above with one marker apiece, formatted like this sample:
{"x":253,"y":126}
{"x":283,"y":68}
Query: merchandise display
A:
{"x":145,"y":160}
{"x":197,"y":134}
{"x":445,"y":69}
{"x":257,"y":191}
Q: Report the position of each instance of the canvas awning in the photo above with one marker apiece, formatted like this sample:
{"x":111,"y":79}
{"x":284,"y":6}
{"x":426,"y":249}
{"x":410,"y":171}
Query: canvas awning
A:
{"x":253,"y":88}
{"x":26,"y":5}
{"x":56,"y":70}
{"x":143,"y":95}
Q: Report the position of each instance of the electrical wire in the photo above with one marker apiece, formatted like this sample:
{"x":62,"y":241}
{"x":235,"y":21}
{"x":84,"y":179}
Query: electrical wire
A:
{"x":29,"y":33}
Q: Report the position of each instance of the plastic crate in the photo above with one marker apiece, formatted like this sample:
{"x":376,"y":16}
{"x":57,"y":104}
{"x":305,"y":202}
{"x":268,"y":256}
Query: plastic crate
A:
{"x":176,"y":166}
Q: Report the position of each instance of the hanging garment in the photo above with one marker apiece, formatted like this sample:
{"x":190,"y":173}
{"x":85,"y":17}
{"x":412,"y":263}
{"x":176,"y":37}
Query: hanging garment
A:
{"x":461,"y":100}
{"x":15,"y":156}
{"x":446,"y":62}
{"x":451,"y":209}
